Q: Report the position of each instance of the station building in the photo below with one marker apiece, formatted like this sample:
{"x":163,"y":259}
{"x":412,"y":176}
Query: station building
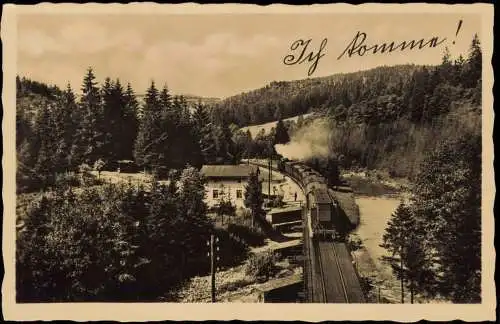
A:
{"x":226,"y":182}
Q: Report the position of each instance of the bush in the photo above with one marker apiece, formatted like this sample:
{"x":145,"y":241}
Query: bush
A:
{"x":367,"y":286}
{"x":262,"y":264}
{"x":250,"y":236}
{"x":86,"y":177}
{"x":99,"y":166}
{"x":232,"y":250}
{"x":354,"y":243}
{"x":67,"y":180}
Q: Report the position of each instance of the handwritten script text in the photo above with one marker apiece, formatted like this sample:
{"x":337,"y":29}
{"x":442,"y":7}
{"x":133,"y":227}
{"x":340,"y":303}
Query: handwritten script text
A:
{"x":357,"y":46}
{"x":302,"y":47}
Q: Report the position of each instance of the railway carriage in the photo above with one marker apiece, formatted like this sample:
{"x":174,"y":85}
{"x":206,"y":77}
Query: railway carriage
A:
{"x":321,"y":209}
{"x":320,"y":205}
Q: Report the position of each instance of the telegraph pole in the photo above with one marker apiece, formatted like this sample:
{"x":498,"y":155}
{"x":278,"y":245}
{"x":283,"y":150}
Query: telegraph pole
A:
{"x":213,"y":241}
{"x":402,"y":279}
{"x":269,"y":178}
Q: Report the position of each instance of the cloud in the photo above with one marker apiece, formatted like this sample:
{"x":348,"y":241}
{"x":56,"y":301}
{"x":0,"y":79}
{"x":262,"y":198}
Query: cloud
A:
{"x":220,"y":44}
{"x":202,"y":62}
{"x":77,"y":38}
{"x":36,"y":43}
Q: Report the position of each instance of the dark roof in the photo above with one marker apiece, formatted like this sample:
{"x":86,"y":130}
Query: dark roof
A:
{"x":227,"y":171}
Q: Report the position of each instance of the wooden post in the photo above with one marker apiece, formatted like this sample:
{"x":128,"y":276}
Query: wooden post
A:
{"x":212,"y":266}
{"x":269,"y":178}
{"x":402,"y":280}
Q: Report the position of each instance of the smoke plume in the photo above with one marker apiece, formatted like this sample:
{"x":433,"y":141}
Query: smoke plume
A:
{"x":308,"y":141}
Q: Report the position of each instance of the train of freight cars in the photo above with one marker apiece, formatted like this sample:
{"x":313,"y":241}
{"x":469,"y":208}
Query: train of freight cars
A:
{"x":321,"y":206}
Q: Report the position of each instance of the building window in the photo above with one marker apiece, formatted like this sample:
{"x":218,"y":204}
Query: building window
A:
{"x":239,"y":193}
{"x":215,"y":194}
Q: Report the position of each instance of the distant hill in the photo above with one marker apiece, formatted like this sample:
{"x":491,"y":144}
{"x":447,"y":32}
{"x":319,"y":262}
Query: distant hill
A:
{"x":292,"y":98}
{"x":191,"y":99}
{"x":387,"y":118}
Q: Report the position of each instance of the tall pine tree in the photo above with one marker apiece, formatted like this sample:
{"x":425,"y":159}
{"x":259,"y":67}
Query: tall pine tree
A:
{"x":66,"y":127}
{"x":204,"y":134}
{"x":150,"y":144}
{"x":281,"y":136}
{"x":130,"y":125}
{"x":253,"y":196}
{"x":89,"y":135}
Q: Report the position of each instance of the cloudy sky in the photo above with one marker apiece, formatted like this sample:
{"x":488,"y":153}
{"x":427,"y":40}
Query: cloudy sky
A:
{"x":219,"y":55}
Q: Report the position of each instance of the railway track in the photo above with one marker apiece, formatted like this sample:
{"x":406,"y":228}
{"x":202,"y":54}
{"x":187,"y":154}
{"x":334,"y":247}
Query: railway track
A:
{"x":329,"y":275}
{"x":323,"y":281}
{"x":332,"y":274}
{"x":342,"y":280}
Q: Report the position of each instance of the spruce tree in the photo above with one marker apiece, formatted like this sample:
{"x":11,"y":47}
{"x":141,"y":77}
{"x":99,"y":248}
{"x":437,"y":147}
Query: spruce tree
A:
{"x":65,"y":129}
{"x":149,"y":147}
{"x":194,"y":212}
{"x":204,"y":134}
{"x":89,"y":137}
{"x":474,"y":64}
{"x":130,"y":125}
{"x":224,"y":144}
{"x":281,"y":136}
{"x":45,"y":166}
{"x":447,"y":203}
{"x":253,"y":196}
{"x":108,"y":118}
{"x":120,"y":123}
{"x":404,"y":239}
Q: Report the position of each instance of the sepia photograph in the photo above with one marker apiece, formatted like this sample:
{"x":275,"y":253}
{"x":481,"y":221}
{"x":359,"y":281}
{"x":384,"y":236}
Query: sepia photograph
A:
{"x":249,"y":157}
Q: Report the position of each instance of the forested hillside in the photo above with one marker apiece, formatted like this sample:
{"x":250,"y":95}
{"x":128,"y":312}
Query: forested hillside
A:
{"x":385,"y":118}
{"x":291,"y":98}
{"x":58,"y":131}
{"x":382,"y":94}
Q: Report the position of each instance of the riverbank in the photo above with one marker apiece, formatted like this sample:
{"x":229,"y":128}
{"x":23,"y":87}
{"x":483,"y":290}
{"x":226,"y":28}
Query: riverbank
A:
{"x":376,"y":196}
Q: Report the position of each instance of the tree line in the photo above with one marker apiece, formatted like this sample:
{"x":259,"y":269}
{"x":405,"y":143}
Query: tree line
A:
{"x":434,"y":240}
{"x":58,"y":130}
{"x":117,"y":242}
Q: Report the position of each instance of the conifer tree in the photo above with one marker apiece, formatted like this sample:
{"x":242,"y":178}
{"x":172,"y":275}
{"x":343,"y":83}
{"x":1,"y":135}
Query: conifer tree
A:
{"x":403,"y":238}
{"x":45,"y":166}
{"x":447,"y":203}
{"x":474,"y":64}
{"x":121,"y":125}
{"x":130,"y":125}
{"x":224,"y":144}
{"x":149,"y":147}
{"x":65,"y":128}
{"x":108,"y":118}
{"x":253,"y":196}
{"x":204,"y":133}
{"x":194,"y":211}
{"x":89,"y":136}
{"x":281,"y":136}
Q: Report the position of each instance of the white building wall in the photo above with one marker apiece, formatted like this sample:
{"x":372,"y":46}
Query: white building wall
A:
{"x":228,"y":188}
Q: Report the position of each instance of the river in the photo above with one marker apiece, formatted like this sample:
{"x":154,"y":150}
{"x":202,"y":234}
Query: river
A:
{"x":375,"y":213}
